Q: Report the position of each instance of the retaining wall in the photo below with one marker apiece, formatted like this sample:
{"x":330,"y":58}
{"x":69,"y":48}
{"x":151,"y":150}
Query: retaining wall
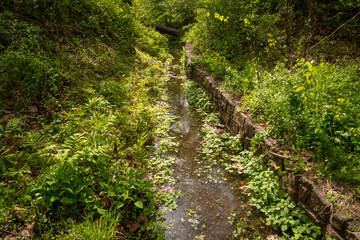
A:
{"x":307,"y":191}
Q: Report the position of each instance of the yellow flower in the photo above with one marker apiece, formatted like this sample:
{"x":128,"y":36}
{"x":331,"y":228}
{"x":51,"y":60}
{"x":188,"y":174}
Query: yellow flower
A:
{"x":299,"y":89}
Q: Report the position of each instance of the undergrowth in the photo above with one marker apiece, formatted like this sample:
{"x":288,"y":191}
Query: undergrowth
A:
{"x":310,"y":106}
{"x":295,"y":66}
{"x":81,"y":102}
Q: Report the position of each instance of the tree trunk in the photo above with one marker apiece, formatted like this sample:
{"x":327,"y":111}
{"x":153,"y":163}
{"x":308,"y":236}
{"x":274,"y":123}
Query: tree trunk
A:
{"x":168,"y":30}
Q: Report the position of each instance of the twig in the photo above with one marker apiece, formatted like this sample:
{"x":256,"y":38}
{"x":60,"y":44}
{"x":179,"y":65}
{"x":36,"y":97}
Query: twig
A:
{"x":242,"y":169}
{"x":334,"y":31}
{"x":174,"y":76}
{"x":270,"y":151}
{"x":12,"y":233}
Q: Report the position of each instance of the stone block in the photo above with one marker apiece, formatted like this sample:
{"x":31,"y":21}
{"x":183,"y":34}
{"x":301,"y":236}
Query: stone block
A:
{"x":233,"y":126}
{"x":230,"y":109}
{"x":290,"y":181}
{"x":353,"y":226}
{"x":246,"y":143}
{"x":217,"y":94}
{"x":331,"y":233}
{"x":304,"y":190}
{"x":339,"y":221}
{"x":226,"y":96}
{"x":208,"y":86}
{"x":319,"y":204}
{"x":313,"y":217}
{"x":224,"y":106}
{"x":250,"y":128}
{"x":225,"y":117}
{"x":352,"y":235}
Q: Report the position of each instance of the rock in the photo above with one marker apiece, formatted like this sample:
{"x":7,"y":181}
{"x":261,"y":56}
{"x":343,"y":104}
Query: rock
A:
{"x":352,"y":235}
{"x":339,"y":220}
{"x":142,"y":220}
{"x":32,"y":109}
{"x":133,"y":226}
{"x":6,"y":118}
{"x":331,"y":233}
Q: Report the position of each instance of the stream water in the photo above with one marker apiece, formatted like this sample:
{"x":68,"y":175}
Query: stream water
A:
{"x":210,"y":201}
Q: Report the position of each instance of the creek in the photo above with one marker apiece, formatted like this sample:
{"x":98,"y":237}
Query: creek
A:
{"x":210,"y":205}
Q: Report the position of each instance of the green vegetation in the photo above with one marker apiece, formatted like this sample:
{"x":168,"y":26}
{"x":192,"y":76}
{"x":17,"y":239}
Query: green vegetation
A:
{"x":83,"y":100}
{"x":296,"y":78}
{"x":171,"y":13}
{"x":82,"y":91}
{"x":267,"y":194}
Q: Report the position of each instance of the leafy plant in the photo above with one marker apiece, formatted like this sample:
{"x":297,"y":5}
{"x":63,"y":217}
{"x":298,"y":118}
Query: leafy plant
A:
{"x":65,"y":190}
{"x":96,"y":229}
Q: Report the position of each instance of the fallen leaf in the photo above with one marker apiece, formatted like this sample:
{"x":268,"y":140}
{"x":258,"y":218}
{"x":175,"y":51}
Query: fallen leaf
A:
{"x":17,"y":211}
{"x":32,"y":109}
{"x":5,"y":119}
{"x":142,"y":220}
{"x":105,"y":202}
{"x":10,"y":237}
{"x":242,"y":188}
{"x":133,"y":226}
{"x":248,"y":206}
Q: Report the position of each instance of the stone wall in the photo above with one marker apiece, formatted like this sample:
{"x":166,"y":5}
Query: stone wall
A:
{"x":307,"y":191}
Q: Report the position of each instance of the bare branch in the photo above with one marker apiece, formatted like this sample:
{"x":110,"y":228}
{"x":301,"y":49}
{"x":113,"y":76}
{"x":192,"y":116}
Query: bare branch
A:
{"x":334,"y":31}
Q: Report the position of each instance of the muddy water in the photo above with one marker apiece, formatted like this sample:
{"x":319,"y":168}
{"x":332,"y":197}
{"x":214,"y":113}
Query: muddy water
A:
{"x":209,"y":200}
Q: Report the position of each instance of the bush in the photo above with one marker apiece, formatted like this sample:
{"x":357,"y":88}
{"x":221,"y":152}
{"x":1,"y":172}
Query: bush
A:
{"x":315,"y":107}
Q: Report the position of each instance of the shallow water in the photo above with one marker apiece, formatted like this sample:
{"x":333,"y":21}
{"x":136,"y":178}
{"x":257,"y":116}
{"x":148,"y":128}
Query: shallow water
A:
{"x":210,"y":199}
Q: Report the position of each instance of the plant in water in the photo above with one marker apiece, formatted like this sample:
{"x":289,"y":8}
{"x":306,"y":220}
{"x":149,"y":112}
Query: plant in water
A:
{"x":267,"y":193}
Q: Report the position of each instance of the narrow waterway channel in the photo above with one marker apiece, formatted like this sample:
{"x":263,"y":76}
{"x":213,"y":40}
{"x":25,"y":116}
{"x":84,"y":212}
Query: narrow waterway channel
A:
{"x":210,"y":206}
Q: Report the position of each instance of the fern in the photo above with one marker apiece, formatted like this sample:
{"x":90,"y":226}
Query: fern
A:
{"x":33,"y":140}
{"x":19,"y":173}
{"x":140,"y":153}
{"x":3,"y":151}
{"x":13,"y":127}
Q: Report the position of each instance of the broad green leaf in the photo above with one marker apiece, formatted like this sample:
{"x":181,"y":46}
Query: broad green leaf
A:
{"x":139,"y":204}
{"x":69,"y":190}
{"x":79,"y":189}
{"x":67,"y":200}
{"x":101,"y":211}
{"x":53,"y":198}
{"x":119,"y":205}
